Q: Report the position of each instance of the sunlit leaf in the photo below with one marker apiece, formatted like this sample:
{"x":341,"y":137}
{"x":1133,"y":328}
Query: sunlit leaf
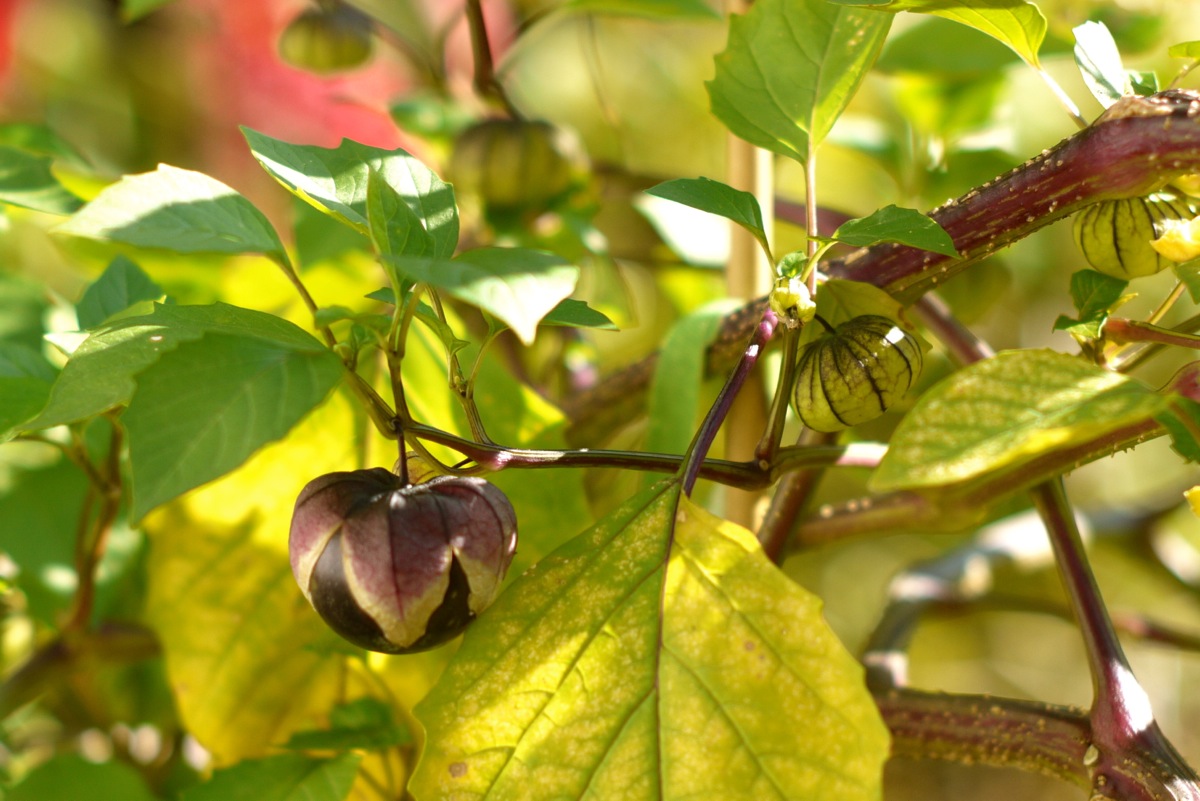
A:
{"x":1017,"y":23}
{"x":517,"y":286}
{"x":717,"y":198}
{"x":121,"y":285}
{"x":335,"y":180}
{"x":26,"y":180}
{"x":284,"y":777}
{"x":176,"y":210}
{"x":395,"y":229}
{"x":894,"y":224}
{"x":658,"y":655}
{"x":1005,"y":411}
{"x":1100,"y":64}
{"x":789,"y":69}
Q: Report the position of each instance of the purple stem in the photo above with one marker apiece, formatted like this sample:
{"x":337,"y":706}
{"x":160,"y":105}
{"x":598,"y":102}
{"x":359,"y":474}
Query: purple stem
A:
{"x":720,"y":408}
{"x":1122,"y":722}
{"x":1133,"y":148}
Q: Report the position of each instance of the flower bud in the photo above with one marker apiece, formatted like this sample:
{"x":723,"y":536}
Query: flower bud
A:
{"x":400,"y":569}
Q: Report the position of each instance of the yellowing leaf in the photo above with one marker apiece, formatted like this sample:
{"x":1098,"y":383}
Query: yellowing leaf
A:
{"x":657,"y":655}
{"x":249,"y":660}
{"x":1005,"y":412}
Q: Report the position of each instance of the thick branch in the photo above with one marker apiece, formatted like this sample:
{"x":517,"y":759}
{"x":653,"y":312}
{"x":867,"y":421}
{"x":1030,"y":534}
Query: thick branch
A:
{"x":1135,"y":147}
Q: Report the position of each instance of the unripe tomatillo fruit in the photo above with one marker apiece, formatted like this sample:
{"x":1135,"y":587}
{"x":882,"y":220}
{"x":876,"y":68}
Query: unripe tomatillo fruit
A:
{"x":1114,"y":235}
{"x":327,"y":39}
{"x":513,"y":164}
{"x":400,"y":569}
{"x":854,"y":373}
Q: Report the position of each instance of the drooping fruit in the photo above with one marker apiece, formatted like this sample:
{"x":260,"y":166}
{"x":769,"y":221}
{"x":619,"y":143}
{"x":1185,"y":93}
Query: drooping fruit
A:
{"x":328,"y":38}
{"x":854,"y":373}
{"x":1114,"y":235}
{"x":513,"y":165}
{"x":400,"y":569}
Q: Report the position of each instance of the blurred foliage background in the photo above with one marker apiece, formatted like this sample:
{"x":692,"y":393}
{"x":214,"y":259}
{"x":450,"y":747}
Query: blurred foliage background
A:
{"x":112,"y":88}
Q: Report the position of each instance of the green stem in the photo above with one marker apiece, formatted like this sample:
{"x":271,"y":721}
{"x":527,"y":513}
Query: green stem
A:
{"x":288,"y":270}
{"x":777,"y":417}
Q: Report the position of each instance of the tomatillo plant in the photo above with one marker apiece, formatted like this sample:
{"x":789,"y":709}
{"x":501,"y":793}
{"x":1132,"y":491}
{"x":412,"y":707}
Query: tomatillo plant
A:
{"x":752,"y":528}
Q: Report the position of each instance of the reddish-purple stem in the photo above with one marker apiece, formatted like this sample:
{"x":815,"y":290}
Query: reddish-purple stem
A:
{"x":720,"y":408}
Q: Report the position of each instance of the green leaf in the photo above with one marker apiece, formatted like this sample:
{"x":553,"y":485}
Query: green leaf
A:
{"x":176,"y":210}
{"x":1004,"y":412}
{"x":40,"y":537}
{"x":1189,"y":274}
{"x":666,"y":10}
{"x":675,"y":389}
{"x":894,"y":224}
{"x":1016,"y":23}
{"x":1100,"y":64}
{"x":717,"y":198}
{"x":396,"y":230}
{"x":100,"y":374}
{"x":69,"y":777}
{"x":1093,"y":291}
{"x":1095,"y":295}
{"x":1143,"y":82}
{"x":657,"y":655}
{"x":336,"y":181}
{"x":121,"y":285}
{"x":26,"y":180}
{"x":517,"y":286}
{"x":365,"y":723}
{"x":25,"y":381}
{"x":1185,"y":50}
{"x":40,"y":139}
{"x":571,"y":313}
{"x":286,"y":777}
{"x":1182,"y":421}
{"x":203,"y":408}
{"x":320,"y":236}
{"x":789,"y":69}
